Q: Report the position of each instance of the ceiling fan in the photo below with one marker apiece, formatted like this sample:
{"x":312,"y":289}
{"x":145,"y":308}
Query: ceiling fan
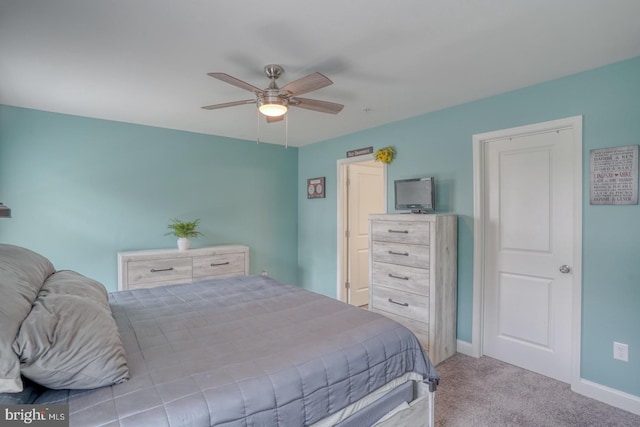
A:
{"x":273,"y":101}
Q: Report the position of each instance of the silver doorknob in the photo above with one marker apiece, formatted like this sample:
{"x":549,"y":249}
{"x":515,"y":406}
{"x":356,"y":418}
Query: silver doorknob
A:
{"x":565,"y":269}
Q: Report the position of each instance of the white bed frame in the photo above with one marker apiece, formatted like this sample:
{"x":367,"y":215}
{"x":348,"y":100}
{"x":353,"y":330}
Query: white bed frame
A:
{"x":420,"y":412}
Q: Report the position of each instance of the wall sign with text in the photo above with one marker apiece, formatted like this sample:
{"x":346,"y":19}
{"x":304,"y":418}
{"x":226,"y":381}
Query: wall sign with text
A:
{"x":360,"y":152}
{"x":614,"y":176}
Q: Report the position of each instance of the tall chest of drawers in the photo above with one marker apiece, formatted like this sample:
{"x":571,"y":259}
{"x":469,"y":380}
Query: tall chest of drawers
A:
{"x":156,"y":267}
{"x":413,"y":276}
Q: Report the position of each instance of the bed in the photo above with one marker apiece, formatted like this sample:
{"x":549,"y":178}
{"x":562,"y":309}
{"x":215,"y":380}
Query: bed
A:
{"x":244,"y":351}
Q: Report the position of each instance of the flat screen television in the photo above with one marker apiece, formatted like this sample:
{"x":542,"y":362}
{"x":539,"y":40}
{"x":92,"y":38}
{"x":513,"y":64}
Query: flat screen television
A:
{"x":415,"y":194}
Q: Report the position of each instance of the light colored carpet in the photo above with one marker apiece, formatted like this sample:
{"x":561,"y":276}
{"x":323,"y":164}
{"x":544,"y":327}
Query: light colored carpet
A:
{"x":487,"y":392}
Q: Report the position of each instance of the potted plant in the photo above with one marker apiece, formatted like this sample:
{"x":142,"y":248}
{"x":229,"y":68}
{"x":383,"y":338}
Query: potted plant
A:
{"x":183,"y":230}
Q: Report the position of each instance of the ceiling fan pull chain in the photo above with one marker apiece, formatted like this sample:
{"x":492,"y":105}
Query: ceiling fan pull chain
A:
{"x":258,"y":127}
{"x":286,"y":131}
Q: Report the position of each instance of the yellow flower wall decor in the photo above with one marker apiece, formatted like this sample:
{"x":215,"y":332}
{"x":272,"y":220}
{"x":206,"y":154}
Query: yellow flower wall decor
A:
{"x":385,"y":155}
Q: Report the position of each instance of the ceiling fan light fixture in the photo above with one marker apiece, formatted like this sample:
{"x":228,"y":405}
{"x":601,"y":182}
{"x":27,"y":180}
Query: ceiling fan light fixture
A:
{"x":272,"y":106}
{"x":273,"y":110}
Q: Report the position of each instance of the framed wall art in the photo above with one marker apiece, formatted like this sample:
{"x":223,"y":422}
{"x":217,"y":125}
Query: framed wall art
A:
{"x":614,"y":176}
{"x":315,"y":188}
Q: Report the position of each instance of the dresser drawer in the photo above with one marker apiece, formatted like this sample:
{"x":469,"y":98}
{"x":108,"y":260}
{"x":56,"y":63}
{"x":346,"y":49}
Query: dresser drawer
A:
{"x":159,"y":270}
{"x":401,"y":303}
{"x":219,"y":265}
{"x":397,"y":253}
{"x":420,"y":329}
{"x":403,"y":278}
{"x":416,"y":233}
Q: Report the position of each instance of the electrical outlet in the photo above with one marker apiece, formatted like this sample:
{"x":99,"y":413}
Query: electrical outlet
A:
{"x":264,"y":273}
{"x":621,"y":351}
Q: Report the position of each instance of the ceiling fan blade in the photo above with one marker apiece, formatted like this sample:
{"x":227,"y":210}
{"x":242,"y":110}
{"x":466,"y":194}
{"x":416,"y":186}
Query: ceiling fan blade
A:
{"x":307,"y":84}
{"x":274,"y":119}
{"x":316,"y":105}
{"x":236,"y":82}
{"x":229,"y":104}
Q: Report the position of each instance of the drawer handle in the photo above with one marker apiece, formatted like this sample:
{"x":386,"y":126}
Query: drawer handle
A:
{"x":399,"y":253}
{"x":399,"y":231}
{"x":219,"y":264}
{"x":154,"y":270}
{"x":398,"y":277}
{"x":404,"y":304}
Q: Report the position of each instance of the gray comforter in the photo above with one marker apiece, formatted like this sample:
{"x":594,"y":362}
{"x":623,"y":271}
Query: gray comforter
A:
{"x":247,"y":351}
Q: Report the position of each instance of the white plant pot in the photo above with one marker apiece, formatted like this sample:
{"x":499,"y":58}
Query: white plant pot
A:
{"x":183,"y":244}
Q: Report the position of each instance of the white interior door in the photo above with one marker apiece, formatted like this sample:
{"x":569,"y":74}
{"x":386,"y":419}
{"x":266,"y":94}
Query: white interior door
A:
{"x":528,"y":251}
{"x":364,"y":196}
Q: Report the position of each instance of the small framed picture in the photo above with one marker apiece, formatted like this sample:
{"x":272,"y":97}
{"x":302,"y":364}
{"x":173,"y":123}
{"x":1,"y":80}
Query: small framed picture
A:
{"x":315,"y":188}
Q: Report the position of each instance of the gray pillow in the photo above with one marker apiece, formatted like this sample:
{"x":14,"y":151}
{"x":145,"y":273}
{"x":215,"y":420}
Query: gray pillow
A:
{"x":27,"y":396}
{"x":69,"y":339}
{"x":22,"y":273}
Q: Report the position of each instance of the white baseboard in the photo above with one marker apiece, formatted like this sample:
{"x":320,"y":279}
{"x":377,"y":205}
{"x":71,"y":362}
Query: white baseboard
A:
{"x":465,"y":348}
{"x":608,"y":395}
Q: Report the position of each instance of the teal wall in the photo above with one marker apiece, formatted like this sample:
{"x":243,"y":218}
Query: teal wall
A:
{"x":82,"y":189}
{"x":439,"y":144}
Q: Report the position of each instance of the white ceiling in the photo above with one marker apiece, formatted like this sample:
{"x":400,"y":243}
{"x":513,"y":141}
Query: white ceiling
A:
{"x":145,"y":61}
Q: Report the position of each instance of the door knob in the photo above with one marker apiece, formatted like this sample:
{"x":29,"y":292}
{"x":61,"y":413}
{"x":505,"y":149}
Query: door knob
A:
{"x":565,"y":269}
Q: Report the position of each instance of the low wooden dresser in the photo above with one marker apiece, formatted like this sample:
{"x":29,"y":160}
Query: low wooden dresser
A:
{"x":413,"y":276}
{"x":148,"y":268}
